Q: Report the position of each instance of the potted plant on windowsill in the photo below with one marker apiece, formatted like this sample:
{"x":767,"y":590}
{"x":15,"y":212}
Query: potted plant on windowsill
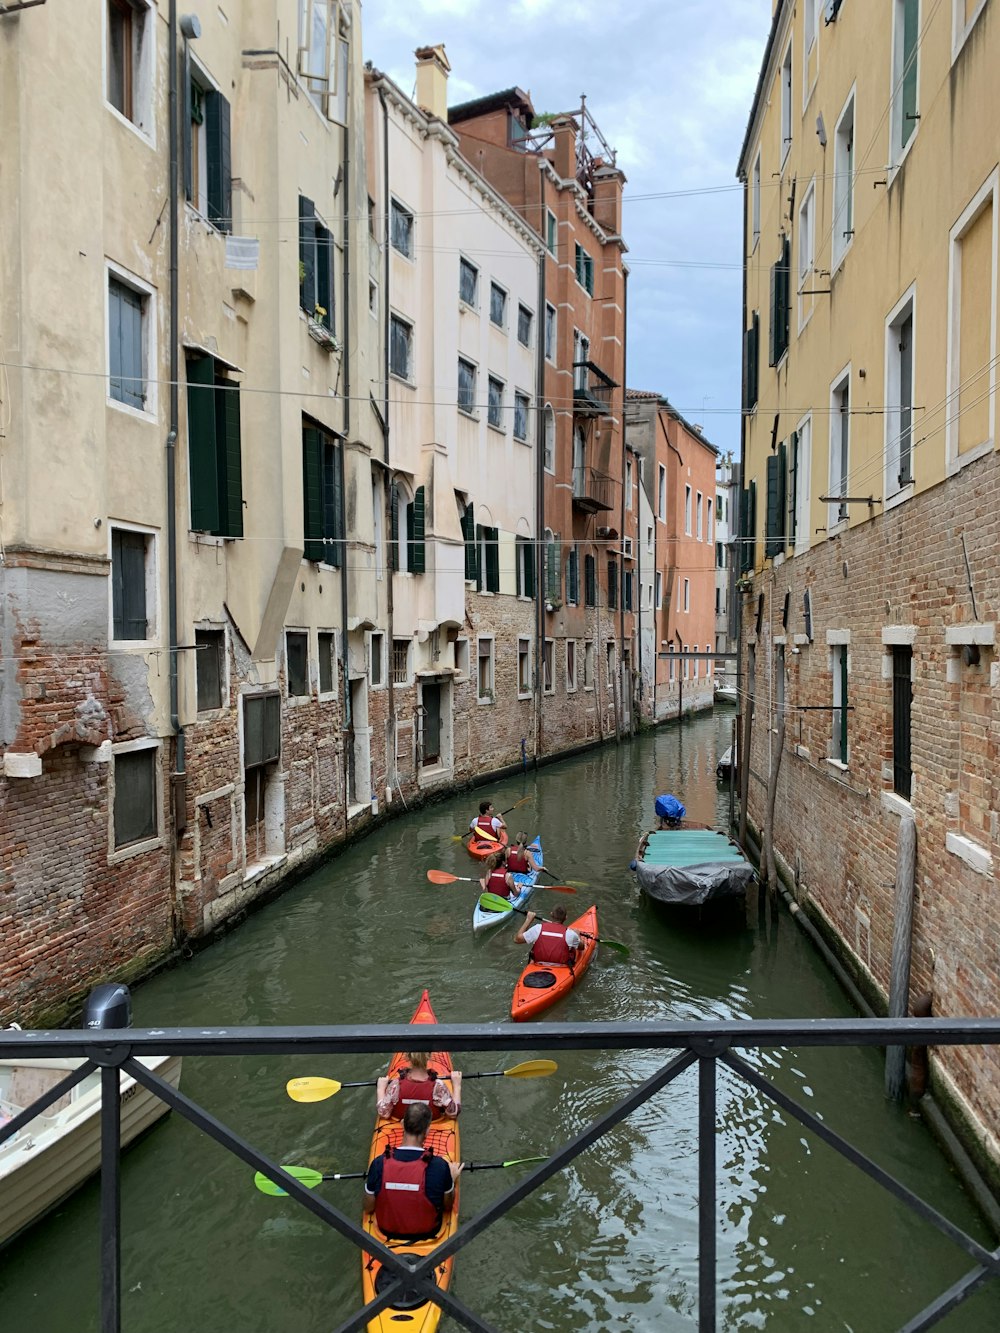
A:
{"x":320,"y":333}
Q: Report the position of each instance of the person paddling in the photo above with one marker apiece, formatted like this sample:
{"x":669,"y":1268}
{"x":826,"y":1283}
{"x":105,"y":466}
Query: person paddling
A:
{"x":488,"y":824}
{"x":520,"y":860}
{"x":497,"y":879}
{"x":418,"y":1084}
{"x":552,"y":942}
{"x":408,"y":1188}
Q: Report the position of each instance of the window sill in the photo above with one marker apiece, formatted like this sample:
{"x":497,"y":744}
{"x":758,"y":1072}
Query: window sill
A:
{"x":126,"y":853}
{"x":838,"y":765}
{"x":485,"y":701}
{"x":522,"y":440}
{"x":258,"y":869}
{"x":401,"y":379}
{"x":497,"y":430}
{"x":298,"y":700}
{"x":500,"y":328}
{"x":523,"y":694}
{"x":134,"y":645}
{"x":327,"y":696}
{"x":972,"y":853}
{"x":137,"y":130}
{"x":136,"y":413}
{"x":904,"y":493}
{"x":470,"y":416}
{"x":466,"y":307}
{"x":894,"y":804}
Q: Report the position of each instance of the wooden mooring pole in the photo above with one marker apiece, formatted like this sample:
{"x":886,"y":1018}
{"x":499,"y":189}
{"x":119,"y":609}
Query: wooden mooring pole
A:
{"x":902,"y":940}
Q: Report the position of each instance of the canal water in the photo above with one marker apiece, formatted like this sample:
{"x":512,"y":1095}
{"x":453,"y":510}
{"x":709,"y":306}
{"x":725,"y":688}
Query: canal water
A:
{"x":611,"y":1244}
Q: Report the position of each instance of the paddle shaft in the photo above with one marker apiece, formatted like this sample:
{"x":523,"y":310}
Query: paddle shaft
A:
{"x":469,"y":1166}
{"x":372,"y":1082}
{"x":502,"y":904}
{"x":523,"y":801}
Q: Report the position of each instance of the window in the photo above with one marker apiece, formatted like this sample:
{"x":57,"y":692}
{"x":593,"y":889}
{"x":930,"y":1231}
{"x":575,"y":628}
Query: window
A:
{"x":524,"y":567}
{"x":687,"y":594}
{"x":261,"y":751}
{"x":685,"y":664}
{"x":610,"y":651}
{"x":525,"y":319}
{"x":899,"y":397}
{"x":799,"y":479}
{"x":400,"y":347}
{"x":466,"y":386}
{"x":549,"y":444}
{"x":838,"y":665}
{"x":661,"y":493}
{"x":128,"y":338}
{"x":136,"y":797}
{"x":130,"y":63}
{"x":659,"y":589}
{"x":570,"y":666}
{"x":963,"y":20}
{"x":323,"y":57}
{"x":581,"y":355}
{"x":807,"y":247}
{"x":400,"y":661}
{"x":327,"y":643}
{"x":698,"y":511}
{"x":373,"y":298}
{"x":708,"y":523}
{"x":462,"y":658}
{"x":523,"y":668}
{"x":780,"y":301}
{"x":905,"y":71}
{"x":550,"y":332}
{"x":376,"y":655}
{"x":494,"y":411}
{"x":687,"y":511}
{"x":468,"y":282}
{"x":972,"y":329}
{"x":751,"y":362}
{"x":485,"y":677}
{"x":628,"y":483}
{"x":297,"y":663}
{"x":133,"y":584}
{"x":573,"y":577}
{"x":589,"y":580}
{"x":843,"y":183}
{"x":755,"y":203}
{"x":209,"y":668}
{"x":488,"y":566}
{"x":551,"y":231}
{"x":215,"y":466}
{"x":775,"y":537}
{"x":208,"y":171}
{"x":627,"y":584}
{"x":649,"y":538}
{"x":902,"y":701}
{"x":840,"y":440}
{"x":553,"y":573}
{"x":548,"y":666}
{"x":521,"y":405}
{"x":498,"y":305}
{"x":322,"y":490}
{"x":612,"y":584}
{"x":786,"y":104}
{"x":401,"y":228}
{"x":469,"y":531}
{"x":407,"y":556}
{"x":316,"y":292}
{"x":809,"y":25}
{"x":584,"y":269}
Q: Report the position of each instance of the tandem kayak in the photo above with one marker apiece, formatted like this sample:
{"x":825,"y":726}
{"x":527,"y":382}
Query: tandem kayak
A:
{"x":541,"y":984}
{"x":481,"y":847}
{"x":442,"y":1139}
{"x":483,"y":919}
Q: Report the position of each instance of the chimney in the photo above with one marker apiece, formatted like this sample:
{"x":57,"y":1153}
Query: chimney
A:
{"x":564,"y":129}
{"x":432,"y":81}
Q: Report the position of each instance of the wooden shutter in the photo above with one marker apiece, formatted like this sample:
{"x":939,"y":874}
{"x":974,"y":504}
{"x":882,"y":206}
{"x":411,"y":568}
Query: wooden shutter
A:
{"x":528,"y":550}
{"x":911,"y":40}
{"x":773,"y":544}
{"x":492,"y":536}
{"x":324,"y":274}
{"x":751,"y":532}
{"x":416,"y":550}
{"x":203,"y":478}
{"x":793,"y":487}
{"x":220,"y":165}
{"x":773,"y":327}
{"x":229,"y":455}
{"x":552,"y":579}
{"x":469,"y":533}
{"x":612,"y":584}
{"x":394,"y":526}
{"x":128,"y":584}
{"x":480,"y":533}
{"x":307,"y":253}
{"x":751,"y":356}
{"x":333,"y":525}
{"x":573,"y":579}
{"x":589,"y":580}
{"x":312,"y":491}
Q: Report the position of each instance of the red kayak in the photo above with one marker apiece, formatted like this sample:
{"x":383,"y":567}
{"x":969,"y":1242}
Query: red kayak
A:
{"x":541,"y":984}
{"x":481,"y":847}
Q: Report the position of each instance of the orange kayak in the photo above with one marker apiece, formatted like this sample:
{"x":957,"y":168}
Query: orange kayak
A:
{"x":442,"y":1138}
{"x":481,"y":847}
{"x":541,"y":984}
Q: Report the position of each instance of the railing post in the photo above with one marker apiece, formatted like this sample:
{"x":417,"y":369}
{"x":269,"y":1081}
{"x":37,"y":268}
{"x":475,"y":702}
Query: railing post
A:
{"x":111,"y":1257}
{"x":706,"y":1194}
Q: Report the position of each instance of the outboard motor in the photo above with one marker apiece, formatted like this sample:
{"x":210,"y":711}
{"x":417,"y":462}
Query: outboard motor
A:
{"x":669,"y":810}
{"x":108,"y":1006}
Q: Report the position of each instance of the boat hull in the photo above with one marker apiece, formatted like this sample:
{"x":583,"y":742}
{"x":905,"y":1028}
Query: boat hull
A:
{"x":530,"y":998}
{"x":55,"y":1154}
{"x":481,"y":848}
{"x":691,"y":867}
{"x":483,"y":920}
{"x":443,"y":1139}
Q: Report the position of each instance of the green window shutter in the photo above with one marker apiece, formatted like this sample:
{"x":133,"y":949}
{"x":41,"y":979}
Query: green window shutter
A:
{"x":492,"y":559}
{"x":612,"y":584}
{"x":911,"y":35}
{"x":312,"y":491}
{"x":187,"y":113}
{"x":773,"y":325}
{"x":469,"y":533}
{"x":786,"y":291}
{"x":203,"y":478}
{"x":589,"y":580}
{"x":480,"y":533}
{"x":793,"y":486}
{"x":751,"y":545}
{"x":774,"y":544}
{"x":229,"y":455}
{"x":394,"y":526}
{"x":416,"y":552}
{"x":518,"y":558}
{"x":529,"y":568}
{"x":324,"y":274}
{"x":307,"y":253}
{"x":333,"y":525}
{"x":573,"y":577}
{"x":782,"y":533}
{"x":220,"y":166}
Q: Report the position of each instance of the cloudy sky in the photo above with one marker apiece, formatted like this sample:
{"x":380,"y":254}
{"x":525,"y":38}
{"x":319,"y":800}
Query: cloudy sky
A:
{"x":669,"y":82}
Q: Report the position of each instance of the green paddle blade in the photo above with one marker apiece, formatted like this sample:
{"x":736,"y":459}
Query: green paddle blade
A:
{"x":523,"y":1161}
{"x":492,"y":902}
{"x":304,"y":1174}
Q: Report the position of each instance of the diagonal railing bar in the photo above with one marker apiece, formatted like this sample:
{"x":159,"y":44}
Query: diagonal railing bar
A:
{"x":948,"y":1300}
{"x":865,"y":1164}
{"x":448,"y":1302}
{"x":706,"y":1194}
{"x":43,"y":1103}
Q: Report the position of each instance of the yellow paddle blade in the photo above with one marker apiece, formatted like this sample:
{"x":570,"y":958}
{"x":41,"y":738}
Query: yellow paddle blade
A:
{"x":532,"y":1069}
{"x":311,"y":1089}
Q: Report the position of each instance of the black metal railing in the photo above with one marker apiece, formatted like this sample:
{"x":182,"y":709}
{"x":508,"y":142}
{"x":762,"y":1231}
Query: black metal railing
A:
{"x":593,"y":490}
{"x":705,"y":1044}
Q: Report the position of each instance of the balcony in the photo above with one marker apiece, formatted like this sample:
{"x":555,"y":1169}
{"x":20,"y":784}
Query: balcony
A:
{"x":591,"y":390}
{"x":593,"y":490}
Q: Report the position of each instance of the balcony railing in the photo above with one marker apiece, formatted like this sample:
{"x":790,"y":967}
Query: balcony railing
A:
{"x":593,"y":490}
{"x":592,"y":390}
{"x":704,"y":1044}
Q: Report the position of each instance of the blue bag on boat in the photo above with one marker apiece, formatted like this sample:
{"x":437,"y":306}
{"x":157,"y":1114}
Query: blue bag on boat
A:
{"x":669,"y":807}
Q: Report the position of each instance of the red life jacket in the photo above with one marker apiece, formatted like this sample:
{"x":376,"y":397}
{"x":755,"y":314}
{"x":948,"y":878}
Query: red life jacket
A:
{"x":497,"y":882}
{"x":485,"y":826}
{"x":517,"y":861}
{"x":402,"y":1207}
{"x":551,"y":946}
{"x":413,"y":1090}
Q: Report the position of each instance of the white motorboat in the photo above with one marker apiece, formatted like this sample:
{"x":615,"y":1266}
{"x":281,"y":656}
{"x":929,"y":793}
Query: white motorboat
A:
{"x":57,"y":1151}
{"x":726,"y":694}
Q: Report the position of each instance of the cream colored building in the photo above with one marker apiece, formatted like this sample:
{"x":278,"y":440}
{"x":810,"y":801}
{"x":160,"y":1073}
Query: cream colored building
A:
{"x":871,"y":168}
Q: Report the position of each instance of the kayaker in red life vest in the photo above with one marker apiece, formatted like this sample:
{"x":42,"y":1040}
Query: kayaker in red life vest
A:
{"x":552,"y":942}
{"x":488,"y":825}
{"x":497,"y":879}
{"x":409,"y":1189}
{"x":520,"y":860}
{"x":418,"y":1084}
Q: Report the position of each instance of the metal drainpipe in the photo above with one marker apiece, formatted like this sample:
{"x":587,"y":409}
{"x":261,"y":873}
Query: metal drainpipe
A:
{"x":346,"y":362}
{"x":540,"y":589}
{"x":621,"y":621}
{"x":736,"y":547}
{"x":387,"y":493}
{"x":638,"y":580}
{"x":178,"y":782}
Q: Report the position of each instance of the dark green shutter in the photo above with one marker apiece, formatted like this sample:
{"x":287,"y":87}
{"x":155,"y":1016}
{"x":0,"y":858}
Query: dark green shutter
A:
{"x":469,"y":533}
{"x":528,"y":550}
{"x":793,"y":487}
{"x":202,"y":445}
{"x":911,"y":36}
{"x":480,"y":533}
{"x":307,"y":253}
{"x":394,"y":526}
{"x":416,"y":551}
{"x":750,"y":361}
{"x":772,"y":524}
{"x":589,"y":580}
{"x":553,"y":581}
{"x":312,"y":491}
{"x":492,"y":559}
{"x":220,"y":165}
{"x":751,"y":543}
{"x":229,"y":459}
{"x":324,"y":274}
{"x":612,"y":584}
{"x":333,"y":527}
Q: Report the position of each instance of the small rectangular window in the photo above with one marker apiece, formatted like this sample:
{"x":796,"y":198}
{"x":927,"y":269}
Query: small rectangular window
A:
{"x":327,"y":642}
{"x":462,"y":658}
{"x":400,"y":661}
{"x":786,"y":103}
{"x":698,"y":508}
{"x":584,"y":269}
{"x":902,"y":703}
{"x":551,"y":231}
{"x":468,"y":282}
{"x":659,"y":590}
{"x":613,"y":584}
{"x":905,"y":69}
{"x":588,"y":666}
{"x":843,"y":183}
{"x":316,"y":266}
{"x":127,"y":337}
{"x":401,"y":229}
{"x":521,"y":406}
{"x":755,"y":203}
{"x":215,"y":462}
{"x":525,"y":319}
{"x":523,"y":667}
{"x":129,"y":61}
{"x":550,"y":333}
{"x":494,"y":411}
{"x":687,"y":511}
{"x":548,"y":666}
{"x":485,"y":673}
{"x":687,"y":594}
{"x":839,"y":665}
{"x":209,"y":668}
{"x":376,"y":654}
{"x":208,"y":169}
{"x":297,"y":663}
{"x":130,"y":552}
{"x":661,"y":492}
{"x":400,"y":347}
{"x":570,"y":666}
{"x":498,"y":305}
{"x":466,"y":386}
{"x":323,"y":517}
{"x":135,"y":798}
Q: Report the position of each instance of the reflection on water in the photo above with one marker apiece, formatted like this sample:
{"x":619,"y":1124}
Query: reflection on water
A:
{"x":610,"y":1244}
